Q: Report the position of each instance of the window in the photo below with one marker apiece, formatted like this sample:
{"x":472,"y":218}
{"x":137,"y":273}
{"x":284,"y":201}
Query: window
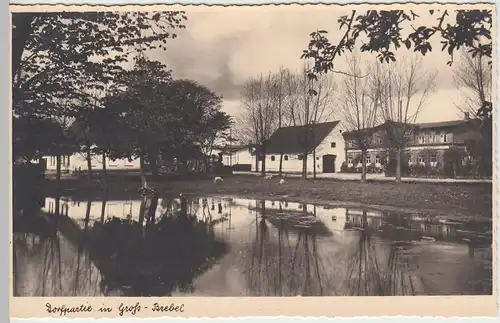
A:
{"x":433,"y":160}
{"x":444,"y":137}
{"x":333,"y":144}
{"x":377,"y":159}
{"x":410,"y":160}
{"x":421,"y":159}
{"x":300,"y":157}
{"x":349,"y":160}
{"x":317,"y":158}
{"x":368,"y":160}
{"x":273,"y":158}
{"x":285,"y":157}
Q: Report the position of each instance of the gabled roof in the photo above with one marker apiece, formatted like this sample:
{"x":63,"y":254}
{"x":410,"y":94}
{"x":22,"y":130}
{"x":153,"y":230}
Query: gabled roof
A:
{"x":423,"y":125}
{"x":292,"y":140}
{"x":444,"y":124}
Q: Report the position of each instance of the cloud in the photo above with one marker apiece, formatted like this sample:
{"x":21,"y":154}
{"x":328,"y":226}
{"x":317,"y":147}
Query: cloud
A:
{"x":223,"y":47}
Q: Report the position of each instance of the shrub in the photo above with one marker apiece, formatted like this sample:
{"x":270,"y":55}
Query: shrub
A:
{"x":390,"y":169}
{"x":371,"y":169}
{"x":453,"y":158}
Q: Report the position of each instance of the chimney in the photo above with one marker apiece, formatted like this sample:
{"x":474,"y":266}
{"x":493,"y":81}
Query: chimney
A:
{"x":466,"y":116}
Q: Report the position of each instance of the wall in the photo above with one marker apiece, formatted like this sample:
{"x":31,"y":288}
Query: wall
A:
{"x":433,"y":136}
{"x":242,"y":156}
{"x":78,"y":161}
{"x":292,"y":165}
{"x":414,"y":152}
{"x":325,"y":149}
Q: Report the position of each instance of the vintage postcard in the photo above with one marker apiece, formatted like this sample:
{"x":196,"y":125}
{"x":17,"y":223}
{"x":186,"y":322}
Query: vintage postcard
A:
{"x":253,"y":160}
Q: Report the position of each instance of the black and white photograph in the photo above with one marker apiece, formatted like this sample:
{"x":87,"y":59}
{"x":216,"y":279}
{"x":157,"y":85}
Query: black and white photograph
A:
{"x":252,"y":151}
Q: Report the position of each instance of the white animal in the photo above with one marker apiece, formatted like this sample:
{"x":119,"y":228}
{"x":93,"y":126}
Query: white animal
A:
{"x":282,"y":181}
{"x":218,"y":180}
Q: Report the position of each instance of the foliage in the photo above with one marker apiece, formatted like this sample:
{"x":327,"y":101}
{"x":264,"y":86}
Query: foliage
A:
{"x":58,"y":55}
{"x":390,"y":168}
{"x":453,"y":159}
{"x":153,"y":109}
{"x":384,"y":33}
{"x":33,"y":137}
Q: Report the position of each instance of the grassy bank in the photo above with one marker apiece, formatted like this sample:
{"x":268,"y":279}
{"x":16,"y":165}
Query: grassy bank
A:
{"x":452,"y":199}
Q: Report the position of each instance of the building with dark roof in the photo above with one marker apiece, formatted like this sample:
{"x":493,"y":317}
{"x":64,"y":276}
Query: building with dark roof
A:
{"x":432,"y":137}
{"x":295,"y":142}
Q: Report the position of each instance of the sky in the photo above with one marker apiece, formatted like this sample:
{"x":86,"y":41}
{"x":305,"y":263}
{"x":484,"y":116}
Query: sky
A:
{"x":222,"y":47}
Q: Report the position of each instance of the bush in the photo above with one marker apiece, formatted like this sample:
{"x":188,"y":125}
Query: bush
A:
{"x":371,"y":169}
{"x":390,"y":169}
{"x":344,"y":168}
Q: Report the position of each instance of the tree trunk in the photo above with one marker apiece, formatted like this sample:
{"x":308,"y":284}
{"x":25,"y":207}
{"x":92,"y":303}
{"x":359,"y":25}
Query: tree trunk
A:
{"x":206,"y":162}
{"x":104,"y":170}
{"x":20,"y":36}
{"x":398,"y":164}
{"x":89,"y":165}
{"x":281,"y":164}
{"x":57,"y":207}
{"x":256,"y":163}
{"x":152,"y":210}
{"x":314,"y":164}
{"x":263,"y":170}
{"x":58,"y":167}
{"x":141,"y":169}
{"x":363,"y":165}
{"x":142,"y":210}
{"x":304,"y":166}
{"x":103,"y":209}
{"x":152,"y":155}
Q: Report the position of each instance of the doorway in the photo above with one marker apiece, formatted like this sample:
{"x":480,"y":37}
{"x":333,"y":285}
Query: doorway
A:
{"x":329,"y":163}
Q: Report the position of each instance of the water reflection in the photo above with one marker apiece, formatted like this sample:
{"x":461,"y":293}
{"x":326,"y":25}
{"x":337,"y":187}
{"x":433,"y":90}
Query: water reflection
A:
{"x":158,"y":246}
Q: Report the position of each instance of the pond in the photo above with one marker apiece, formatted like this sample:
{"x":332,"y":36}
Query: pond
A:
{"x":196,"y":246}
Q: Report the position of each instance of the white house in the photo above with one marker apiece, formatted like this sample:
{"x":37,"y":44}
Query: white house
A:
{"x":77,"y":161}
{"x":325,"y":139}
{"x":237,"y":156}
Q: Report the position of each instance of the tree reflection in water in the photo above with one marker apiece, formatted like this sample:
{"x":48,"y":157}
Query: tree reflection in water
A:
{"x":154,"y":257}
{"x":47,"y":264}
{"x":368,"y":275}
{"x":283,"y":264}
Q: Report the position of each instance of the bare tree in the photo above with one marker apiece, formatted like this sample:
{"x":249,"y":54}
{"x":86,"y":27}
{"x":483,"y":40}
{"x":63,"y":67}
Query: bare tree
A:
{"x":405,"y":89}
{"x":474,"y":76}
{"x":259,"y":115}
{"x":285,"y":98}
{"x":360,"y":105}
{"x":313,"y":105}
